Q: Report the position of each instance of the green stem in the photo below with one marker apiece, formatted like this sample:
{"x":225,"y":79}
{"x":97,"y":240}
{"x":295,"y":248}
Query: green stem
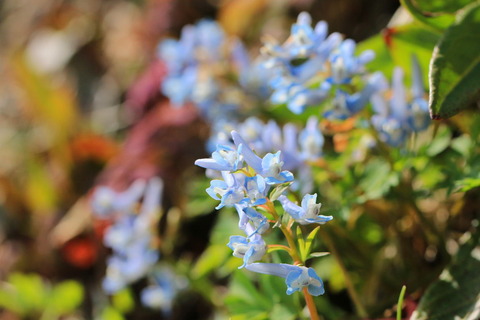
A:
{"x":348,"y":281}
{"x":291,"y":243}
{"x":288,"y":235}
{"x":400,"y":303}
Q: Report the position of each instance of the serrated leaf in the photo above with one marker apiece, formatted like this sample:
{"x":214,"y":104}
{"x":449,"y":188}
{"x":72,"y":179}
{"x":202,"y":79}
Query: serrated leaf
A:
{"x":456,"y":294}
{"x":455,"y":66}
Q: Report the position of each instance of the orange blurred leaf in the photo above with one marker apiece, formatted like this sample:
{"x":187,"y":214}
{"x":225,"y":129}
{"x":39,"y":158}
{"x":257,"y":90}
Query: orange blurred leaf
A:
{"x":54,"y":105}
{"x":40,"y":192}
{"x":236,"y":16}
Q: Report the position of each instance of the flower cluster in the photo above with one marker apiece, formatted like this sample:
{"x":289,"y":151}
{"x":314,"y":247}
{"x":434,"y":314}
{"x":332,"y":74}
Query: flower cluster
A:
{"x":199,"y":68}
{"x":160,"y":294}
{"x":130,"y":236}
{"x":199,"y":44}
{"x":248,"y":183}
{"x":310,"y":66}
{"x":299,"y":148}
{"x":395,"y":117}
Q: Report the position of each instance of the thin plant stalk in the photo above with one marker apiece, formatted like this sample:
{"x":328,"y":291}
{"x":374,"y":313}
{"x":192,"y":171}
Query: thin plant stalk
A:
{"x":400,"y":303}
{"x":310,"y":305}
{"x":348,"y":281}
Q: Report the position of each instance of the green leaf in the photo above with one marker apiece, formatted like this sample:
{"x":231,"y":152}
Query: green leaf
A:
{"x":468,"y":184}
{"x":456,"y":294}
{"x":309,"y":241}
{"x":432,"y":6}
{"x":400,"y":302}
{"x":318,"y":254}
{"x":377,"y":180}
{"x":278,"y":191}
{"x":271,"y":249}
{"x":212,"y":258}
{"x":455,"y":66}
{"x":412,"y":40}
{"x":65,"y":297}
{"x":9,"y":300}
{"x":123,"y":301}
{"x":242,"y":288}
{"x":437,"y":23}
{"x":440,"y":142}
{"x":281,"y":312}
{"x":463,"y":145}
{"x":301,"y":244}
{"x":31,"y":290}
{"x":395,"y":47}
{"x":383,"y":60}
{"x":110,"y":313}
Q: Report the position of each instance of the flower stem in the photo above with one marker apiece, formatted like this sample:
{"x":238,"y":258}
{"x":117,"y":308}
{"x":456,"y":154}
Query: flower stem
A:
{"x":348,"y":282}
{"x":310,"y":305}
{"x":291,"y":243}
{"x":288,"y":235}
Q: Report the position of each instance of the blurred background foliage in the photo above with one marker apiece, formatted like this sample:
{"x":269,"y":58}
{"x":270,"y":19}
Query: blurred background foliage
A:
{"x":80,"y":106}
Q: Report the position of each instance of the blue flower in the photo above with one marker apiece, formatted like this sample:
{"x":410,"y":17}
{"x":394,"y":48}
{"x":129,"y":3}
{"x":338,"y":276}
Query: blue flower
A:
{"x":161,"y":293}
{"x":133,"y":263}
{"x":256,"y":190}
{"x":178,"y":88}
{"x":130,"y":237}
{"x":270,"y":167}
{"x":419,"y":114}
{"x":307,"y":213}
{"x":224,"y":158}
{"x":271,"y":136}
{"x":311,"y":140}
{"x":105,"y":201}
{"x":258,"y":220}
{"x":252,"y":131}
{"x":308,"y":64}
{"x":157,"y":297}
{"x":296,"y":277}
{"x":228,"y":191}
{"x":347,"y":105}
{"x":345,"y":65}
{"x":290,"y":155}
{"x":395,"y":118}
{"x":249,"y":249}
